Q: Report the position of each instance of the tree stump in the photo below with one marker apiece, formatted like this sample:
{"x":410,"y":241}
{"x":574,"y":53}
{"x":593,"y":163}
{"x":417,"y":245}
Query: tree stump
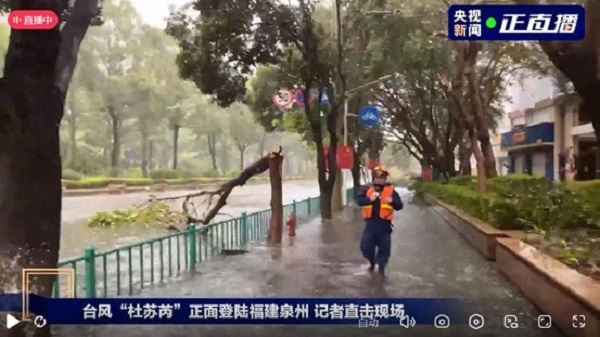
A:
{"x":276,"y":224}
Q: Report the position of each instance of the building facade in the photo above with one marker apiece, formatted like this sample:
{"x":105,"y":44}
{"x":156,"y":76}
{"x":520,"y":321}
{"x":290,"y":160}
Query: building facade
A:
{"x":552,"y":140}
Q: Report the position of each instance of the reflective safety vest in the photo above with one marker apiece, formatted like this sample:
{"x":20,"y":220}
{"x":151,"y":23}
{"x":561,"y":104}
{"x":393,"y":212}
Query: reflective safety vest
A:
{"x":386,"y":211}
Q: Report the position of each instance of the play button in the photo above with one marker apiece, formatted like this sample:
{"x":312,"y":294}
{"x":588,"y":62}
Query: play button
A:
{"x":11,"y":321}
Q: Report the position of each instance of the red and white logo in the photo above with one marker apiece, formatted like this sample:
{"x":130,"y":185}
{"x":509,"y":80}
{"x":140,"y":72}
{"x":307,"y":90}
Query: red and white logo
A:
{"x":33,"y":20}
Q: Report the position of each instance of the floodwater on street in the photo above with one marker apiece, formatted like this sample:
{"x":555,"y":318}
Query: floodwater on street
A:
{"x":76,"y":236}
{"x":429,"y":260}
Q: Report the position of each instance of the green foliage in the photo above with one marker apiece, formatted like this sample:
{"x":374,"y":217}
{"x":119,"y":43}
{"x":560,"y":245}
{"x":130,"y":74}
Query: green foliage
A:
{"x":589,"y":194}
{"x":211,"y":174}
{"x":69,"y":174}
{"x":101,"y":182}
{"x":156,"y":213}
{"x":523,"y":202}
{"x":226,"y":28}
{"x":168,"y":174}
{"x":96,"y":183}
{"x":464,"y":180}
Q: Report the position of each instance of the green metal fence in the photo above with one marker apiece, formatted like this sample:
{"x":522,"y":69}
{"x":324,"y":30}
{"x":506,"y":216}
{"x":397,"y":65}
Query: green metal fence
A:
{"x":128,"y":270}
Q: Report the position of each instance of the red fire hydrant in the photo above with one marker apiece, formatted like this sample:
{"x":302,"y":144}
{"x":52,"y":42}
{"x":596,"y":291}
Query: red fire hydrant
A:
{"x":291,"y":223}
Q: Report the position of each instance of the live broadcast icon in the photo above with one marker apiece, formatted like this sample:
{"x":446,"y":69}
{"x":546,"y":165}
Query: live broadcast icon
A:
{"x":27,"y":273}
{"x":33,"y":19}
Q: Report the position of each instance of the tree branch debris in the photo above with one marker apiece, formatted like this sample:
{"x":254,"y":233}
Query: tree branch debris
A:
{"x":222,"y":192}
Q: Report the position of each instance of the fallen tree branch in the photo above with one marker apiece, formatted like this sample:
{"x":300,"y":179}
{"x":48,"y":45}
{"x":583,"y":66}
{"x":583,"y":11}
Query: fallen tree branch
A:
{"x":223,"y":191}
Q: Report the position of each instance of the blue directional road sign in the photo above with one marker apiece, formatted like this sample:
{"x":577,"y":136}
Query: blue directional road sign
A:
{"x":369,"y":115}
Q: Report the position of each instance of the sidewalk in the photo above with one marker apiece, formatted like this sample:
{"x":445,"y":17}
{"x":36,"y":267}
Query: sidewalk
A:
{"x":428,"y":260}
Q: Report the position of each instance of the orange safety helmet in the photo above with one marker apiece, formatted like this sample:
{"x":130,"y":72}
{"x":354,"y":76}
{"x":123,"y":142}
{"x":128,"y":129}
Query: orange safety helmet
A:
{"x":381,"y":168}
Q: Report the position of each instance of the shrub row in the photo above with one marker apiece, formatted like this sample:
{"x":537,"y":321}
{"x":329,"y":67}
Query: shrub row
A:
{"x":170,"y":174}
{"x":523,"y":202}
{"x":96,"y":183}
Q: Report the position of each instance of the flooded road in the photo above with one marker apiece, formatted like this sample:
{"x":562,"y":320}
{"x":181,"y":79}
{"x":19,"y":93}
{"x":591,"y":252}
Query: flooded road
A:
{"x":76,"y":236}
{"x":429,"y":260}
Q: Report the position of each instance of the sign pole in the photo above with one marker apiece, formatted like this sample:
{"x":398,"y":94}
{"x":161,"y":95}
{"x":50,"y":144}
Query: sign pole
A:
{"x":343,"y":172}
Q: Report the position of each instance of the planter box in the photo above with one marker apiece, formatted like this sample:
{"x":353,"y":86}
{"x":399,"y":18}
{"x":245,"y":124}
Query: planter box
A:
{"x":480,"y":234}
{"x":553,"y":287}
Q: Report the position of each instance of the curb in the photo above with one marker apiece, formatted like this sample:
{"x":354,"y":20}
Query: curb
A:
{"x":121,"y":189}
{"x":553,"y":287}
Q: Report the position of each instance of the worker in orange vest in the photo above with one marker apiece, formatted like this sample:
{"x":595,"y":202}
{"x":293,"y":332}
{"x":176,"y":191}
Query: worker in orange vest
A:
{"x":378,"y":202}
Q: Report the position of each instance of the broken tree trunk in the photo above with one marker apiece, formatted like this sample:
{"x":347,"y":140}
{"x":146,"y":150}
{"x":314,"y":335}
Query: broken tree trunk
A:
{"x":223,"y":191}
{"x":276,"y":225}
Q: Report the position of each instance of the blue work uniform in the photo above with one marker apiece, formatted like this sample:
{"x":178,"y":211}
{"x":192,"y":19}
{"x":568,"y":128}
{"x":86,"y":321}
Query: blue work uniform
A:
{"x":376,"y":241}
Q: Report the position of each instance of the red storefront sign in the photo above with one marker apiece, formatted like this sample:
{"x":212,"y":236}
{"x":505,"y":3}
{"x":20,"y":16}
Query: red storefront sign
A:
{"x":372,"y":163}
{"x":344,"y":158}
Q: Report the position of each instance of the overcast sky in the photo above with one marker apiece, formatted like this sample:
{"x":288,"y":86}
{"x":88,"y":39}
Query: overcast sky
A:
{"x":154,"y":12}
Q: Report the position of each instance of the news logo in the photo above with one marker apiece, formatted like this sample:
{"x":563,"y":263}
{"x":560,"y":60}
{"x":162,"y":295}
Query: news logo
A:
{"x":516,"y":22}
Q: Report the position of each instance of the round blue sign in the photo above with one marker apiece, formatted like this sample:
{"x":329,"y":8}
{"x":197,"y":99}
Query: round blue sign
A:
{"x":300,"y":97}
{"x":369,"y":115}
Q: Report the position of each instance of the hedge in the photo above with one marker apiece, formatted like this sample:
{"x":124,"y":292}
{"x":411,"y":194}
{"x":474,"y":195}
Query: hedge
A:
{"x":522,"y":202}
{"x":98,"y":183}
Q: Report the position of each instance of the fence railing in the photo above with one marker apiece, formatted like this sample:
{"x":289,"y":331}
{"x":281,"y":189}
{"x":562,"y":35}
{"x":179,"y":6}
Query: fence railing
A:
{"x":128,"y":270}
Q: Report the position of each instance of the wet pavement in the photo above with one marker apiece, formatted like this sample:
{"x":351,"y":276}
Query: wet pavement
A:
{"x":428,"y":260}
{"x":249,"y":198}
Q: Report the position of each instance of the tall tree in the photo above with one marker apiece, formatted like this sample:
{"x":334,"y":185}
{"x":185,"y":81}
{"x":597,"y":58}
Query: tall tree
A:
{"x":221,"y":47}
{"x":243,"y":129}
{"x":111,"y":46}
{"x":37,"y":72}
{"x":578,"y":61}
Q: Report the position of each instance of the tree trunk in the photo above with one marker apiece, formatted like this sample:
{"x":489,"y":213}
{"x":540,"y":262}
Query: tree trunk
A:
{"x":261,"y":145}
{"x":356,"y":175}
{"x":115,"y":153}
{"x":72,"y":151}
{"x":144,"y":153}
{"x":276,"y":224}
{"x":151,"y":164}
{"x":579,"y":63}
{"x":211,"y":140}
{"x":590,"y":107}
{"x":224,"y":157}
{"x":242,"y":149}
{"x":491,"y":171}
{"x":464,"y":154}
{"x":38,"y":68}
{"x":325,"y":194}
{"x":30,"y":172}
{"x":481,"y":179}
{"x":175,"y":145}
{"x":326,"y":210}
{"x":336,"y":195}
{"x":449,"y":163}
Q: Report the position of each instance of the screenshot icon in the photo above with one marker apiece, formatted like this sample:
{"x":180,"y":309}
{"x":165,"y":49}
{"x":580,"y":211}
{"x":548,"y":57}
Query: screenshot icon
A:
{"x":511,"y":322}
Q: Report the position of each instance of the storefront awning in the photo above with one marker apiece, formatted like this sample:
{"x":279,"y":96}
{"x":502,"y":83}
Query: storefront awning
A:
{"x":523,"y":138}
